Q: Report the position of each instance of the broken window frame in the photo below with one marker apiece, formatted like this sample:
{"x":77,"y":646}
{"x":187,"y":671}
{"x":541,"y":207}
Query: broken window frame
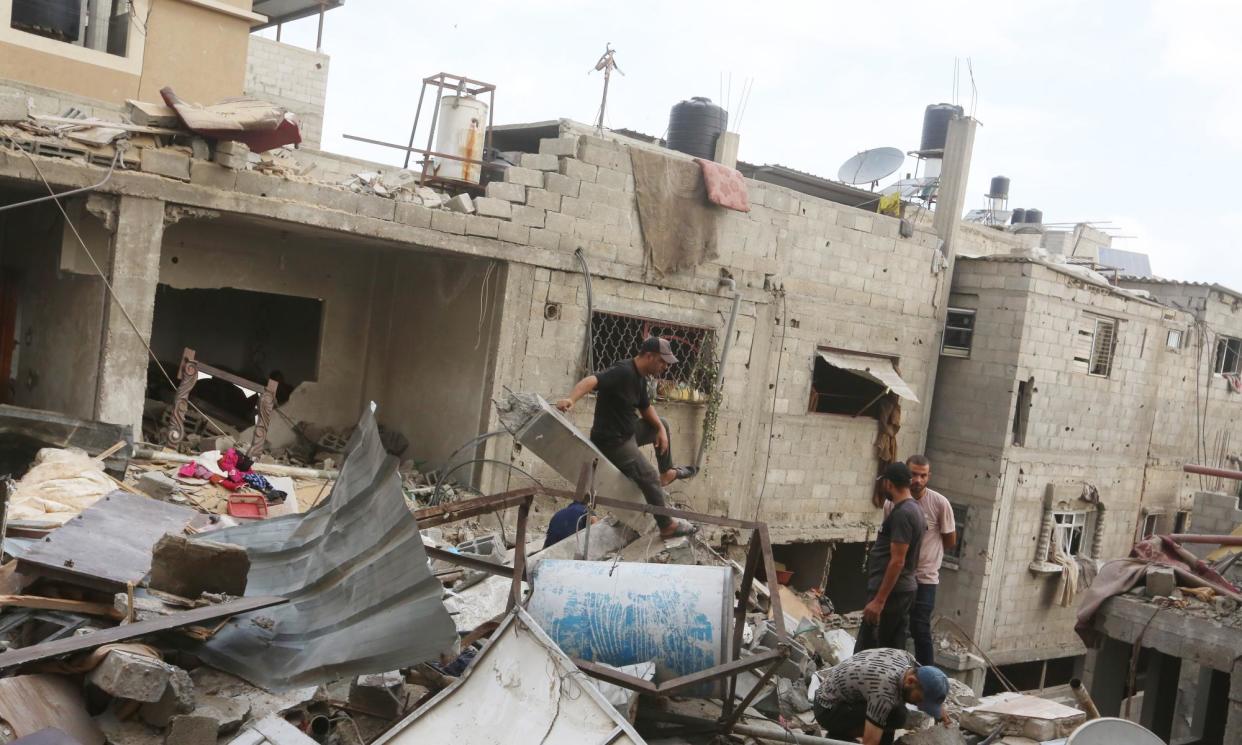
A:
{"x":1099,"y":361}
{"x":864,"y":404}
{"x":1181,"y":521}
{"x":1069,"y":530}
{"x":963,"y":327}
{"x":617,"y":336}
{"x":1150,"y":525}
{"x":103,"y":26}
{"x":1227,"y":359}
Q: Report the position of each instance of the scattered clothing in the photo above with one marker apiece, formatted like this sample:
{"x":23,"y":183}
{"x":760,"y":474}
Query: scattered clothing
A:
{"x":1067,"y":586}
{"x":889,"y":416}
{"x":1235,"y":382}
{"x":725,"y":186}
{"x":257,"y":481}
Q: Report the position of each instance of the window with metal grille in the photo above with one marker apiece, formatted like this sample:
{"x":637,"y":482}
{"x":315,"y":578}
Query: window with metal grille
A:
{"x":1094,"y":345}
{"x":1068,"y":532}
{"x":615,"y":337}
{"x":959,"y":332}
{"x":1228,"y":356}
{"x":1174,"y":339}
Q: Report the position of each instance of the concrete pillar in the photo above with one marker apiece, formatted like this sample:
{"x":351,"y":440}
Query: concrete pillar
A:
{"x":1233,"y":714}
{"x":1160,"y":693}
{"x":134,"y":274}
{"x":950,"y":199}
{"x":1109,"y":676}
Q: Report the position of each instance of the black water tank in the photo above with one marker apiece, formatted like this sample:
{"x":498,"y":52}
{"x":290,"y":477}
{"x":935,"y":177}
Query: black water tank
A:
{"x":1019,"y":216}
{"x":936,"y":125}
{"x":695,"y":125}
{"x":58,"y":20}
{"x":999,"y":188}
{"x":1034,"y":216}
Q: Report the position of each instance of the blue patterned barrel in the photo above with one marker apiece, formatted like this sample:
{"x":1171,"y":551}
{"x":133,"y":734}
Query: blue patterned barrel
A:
{"x":626,"y":613}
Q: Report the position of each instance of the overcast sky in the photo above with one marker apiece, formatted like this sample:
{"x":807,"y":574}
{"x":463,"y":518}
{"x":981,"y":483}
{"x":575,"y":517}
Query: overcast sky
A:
{"x":1123,"y":111}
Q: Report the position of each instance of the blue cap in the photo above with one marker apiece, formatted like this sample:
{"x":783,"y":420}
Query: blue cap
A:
{"x":935,"y":687}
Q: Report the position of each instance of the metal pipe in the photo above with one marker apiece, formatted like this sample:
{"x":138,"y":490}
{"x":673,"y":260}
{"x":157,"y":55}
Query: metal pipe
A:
{"x":319,"y":37}
{"x":1083,"y":696}
{"x":1222,"y":473}
{"x":69,"y":193}
{"x":730,"y":283}
{"x":1223,"y":540}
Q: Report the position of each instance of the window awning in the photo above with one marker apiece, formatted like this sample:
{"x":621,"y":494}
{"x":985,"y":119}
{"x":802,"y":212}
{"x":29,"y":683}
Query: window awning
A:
{"x":877,"y":369}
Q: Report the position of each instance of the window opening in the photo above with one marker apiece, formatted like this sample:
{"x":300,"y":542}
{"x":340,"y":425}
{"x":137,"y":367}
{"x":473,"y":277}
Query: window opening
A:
{"x":1094,"y":345}
{"x":1150,"y":525}
{"x":1068,"y":531}
{"x":838,"y":391}
{"x":959,"y":331}
{"x":102,"y":25}
{"x":1181,"y":521}
{"x":615,"y":337}
{"x":1022,"y":410}
{"x":1174,"y":339}
{"x":1228,"y":359}
{"x":960,"y":513}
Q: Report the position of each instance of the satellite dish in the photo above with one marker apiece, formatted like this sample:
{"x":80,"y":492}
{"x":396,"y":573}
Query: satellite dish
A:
{"x":870,"y":166}
{"x":1108,"y":730}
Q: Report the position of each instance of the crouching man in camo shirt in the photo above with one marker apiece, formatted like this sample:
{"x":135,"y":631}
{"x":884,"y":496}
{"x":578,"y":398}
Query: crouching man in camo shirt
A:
{"x":866,"y":695}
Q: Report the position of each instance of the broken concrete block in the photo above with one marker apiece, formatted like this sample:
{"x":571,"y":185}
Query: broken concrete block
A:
{"x":515,"y":193}
{"x":489,"y":207}
{"x":432,"y":199}
{"x":935,"y":735}
{"x":461,"y":203}
{"x":148,"y":114}
{"x":190,"y":568}
{"x":178,"y":698}
{"x":190,"y":729}
{"x":233,"y":162}
{"x":131,"y":676}
{"x":157,"y":484}
{"x":165,"y":162}
{"x":233,"y":147}
{"x":1224,"y":605}
{"x":379,"y":694}
{"x":229,"y":713}
{"x":1161,"y":581}
{"x":14,"y":108}
{"x":199,"y":149}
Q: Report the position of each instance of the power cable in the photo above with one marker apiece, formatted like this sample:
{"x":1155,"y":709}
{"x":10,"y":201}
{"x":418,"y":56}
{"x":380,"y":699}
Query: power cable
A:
{"x":772,"y":414}
{"x":111,"y":292}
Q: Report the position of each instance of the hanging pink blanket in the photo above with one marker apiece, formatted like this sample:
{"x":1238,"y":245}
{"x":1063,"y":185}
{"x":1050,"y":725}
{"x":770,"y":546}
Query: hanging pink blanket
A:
{"x":725,"y":186}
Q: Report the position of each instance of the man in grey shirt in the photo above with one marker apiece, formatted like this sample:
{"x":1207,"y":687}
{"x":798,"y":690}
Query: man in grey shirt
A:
{"x":891,"y":565}
{"x":866,"y":695}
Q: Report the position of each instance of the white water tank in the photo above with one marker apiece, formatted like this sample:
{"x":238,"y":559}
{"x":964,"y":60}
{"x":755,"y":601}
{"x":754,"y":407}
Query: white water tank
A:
{"x":461,"y":128}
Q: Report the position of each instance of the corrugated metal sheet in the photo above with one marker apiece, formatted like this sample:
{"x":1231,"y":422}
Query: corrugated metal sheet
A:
{"x":876,"y":369}
{"x":362,"y":598}
{"x":520,"y":689}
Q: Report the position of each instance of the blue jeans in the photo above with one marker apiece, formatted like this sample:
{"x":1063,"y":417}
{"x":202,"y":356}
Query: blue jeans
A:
{"x":920,"y":624}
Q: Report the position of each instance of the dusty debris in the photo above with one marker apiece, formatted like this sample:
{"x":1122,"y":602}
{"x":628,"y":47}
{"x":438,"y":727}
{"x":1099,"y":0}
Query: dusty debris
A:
{"x":1023,"y":715}
{"x":190,"y":568}
{"x":129,"y":675}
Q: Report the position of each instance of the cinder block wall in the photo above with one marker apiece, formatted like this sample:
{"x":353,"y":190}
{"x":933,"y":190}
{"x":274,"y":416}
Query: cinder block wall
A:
{"x":292,"y":77}
{"x":812,"y":274}
{"x":1125,"y":434}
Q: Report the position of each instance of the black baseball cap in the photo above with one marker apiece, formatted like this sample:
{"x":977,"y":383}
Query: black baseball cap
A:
{"x":661,"y":347}
{"x":897,"y":473}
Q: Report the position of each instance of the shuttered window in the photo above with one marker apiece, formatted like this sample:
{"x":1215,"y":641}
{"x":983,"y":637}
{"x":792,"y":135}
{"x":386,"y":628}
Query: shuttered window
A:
{"x":1094,"y":345}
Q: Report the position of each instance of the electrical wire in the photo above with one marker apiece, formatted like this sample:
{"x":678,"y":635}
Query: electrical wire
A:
{"x":111,"y":292}
{"x":767,"y":461}
{"x":111,"y":168}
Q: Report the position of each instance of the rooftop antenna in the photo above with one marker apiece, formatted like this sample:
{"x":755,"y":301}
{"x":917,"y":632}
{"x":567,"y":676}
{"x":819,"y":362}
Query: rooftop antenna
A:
{"x":607,"y":63}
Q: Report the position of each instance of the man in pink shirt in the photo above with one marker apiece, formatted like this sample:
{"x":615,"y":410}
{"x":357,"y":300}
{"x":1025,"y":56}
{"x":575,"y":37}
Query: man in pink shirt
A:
{"x":940,"y":537}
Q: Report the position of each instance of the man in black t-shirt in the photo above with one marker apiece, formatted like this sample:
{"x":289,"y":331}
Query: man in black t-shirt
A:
{"x":891,"y":584}
{"x":622,"y":391}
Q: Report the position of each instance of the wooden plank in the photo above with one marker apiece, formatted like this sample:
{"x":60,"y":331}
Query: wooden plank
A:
{"x":14,"y":657}
{"x":30,"y":703}
{"x":72,"y":606}
{"x":109,"y":544}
